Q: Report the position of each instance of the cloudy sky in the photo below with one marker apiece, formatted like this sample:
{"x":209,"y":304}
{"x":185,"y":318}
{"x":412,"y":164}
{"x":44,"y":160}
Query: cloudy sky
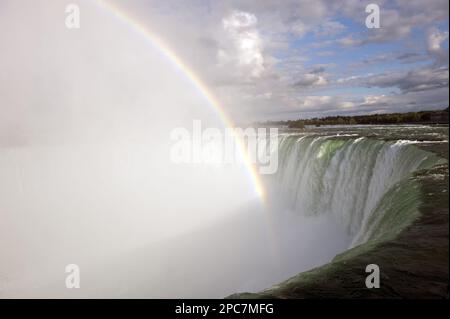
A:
{"x":301,"y":58}
{"x":262,"y":59}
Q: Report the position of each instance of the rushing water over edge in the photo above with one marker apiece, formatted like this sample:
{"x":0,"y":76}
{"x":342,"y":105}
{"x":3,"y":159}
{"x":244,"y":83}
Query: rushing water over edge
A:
{"x":343,"y":177}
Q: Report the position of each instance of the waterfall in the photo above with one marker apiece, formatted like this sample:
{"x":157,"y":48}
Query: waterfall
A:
{"x":345,"y":177}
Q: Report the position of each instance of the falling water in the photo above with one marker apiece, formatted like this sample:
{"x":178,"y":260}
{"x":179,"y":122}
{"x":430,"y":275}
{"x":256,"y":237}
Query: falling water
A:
{"x":346,"y":178}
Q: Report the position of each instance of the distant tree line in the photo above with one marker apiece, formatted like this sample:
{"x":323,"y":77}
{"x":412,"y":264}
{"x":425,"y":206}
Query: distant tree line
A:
{"x":425,"y":117}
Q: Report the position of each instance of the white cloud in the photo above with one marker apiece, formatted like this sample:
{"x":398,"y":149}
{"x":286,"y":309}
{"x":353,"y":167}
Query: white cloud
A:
{"x":314,"y":102}
{"x":329,"y":28}
{"x":435,"y":39}
{"x":411,"y":81}
{"x":245,"y":47}
{"x":434,"y":42}
{"x":373,"y":99}
{"x":310,"y":79}
{"x":350,"y":78}
{"x":299,"y":29}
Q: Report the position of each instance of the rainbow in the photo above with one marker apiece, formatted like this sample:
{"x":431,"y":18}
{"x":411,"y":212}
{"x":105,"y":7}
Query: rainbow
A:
{"x":156,"y":42}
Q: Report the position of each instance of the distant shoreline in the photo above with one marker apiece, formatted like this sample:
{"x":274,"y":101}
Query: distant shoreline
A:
{"x":422,"y":117}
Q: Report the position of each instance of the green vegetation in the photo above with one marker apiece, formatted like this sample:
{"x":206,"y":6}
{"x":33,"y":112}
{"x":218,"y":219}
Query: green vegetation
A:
{"x":422,"y":117}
